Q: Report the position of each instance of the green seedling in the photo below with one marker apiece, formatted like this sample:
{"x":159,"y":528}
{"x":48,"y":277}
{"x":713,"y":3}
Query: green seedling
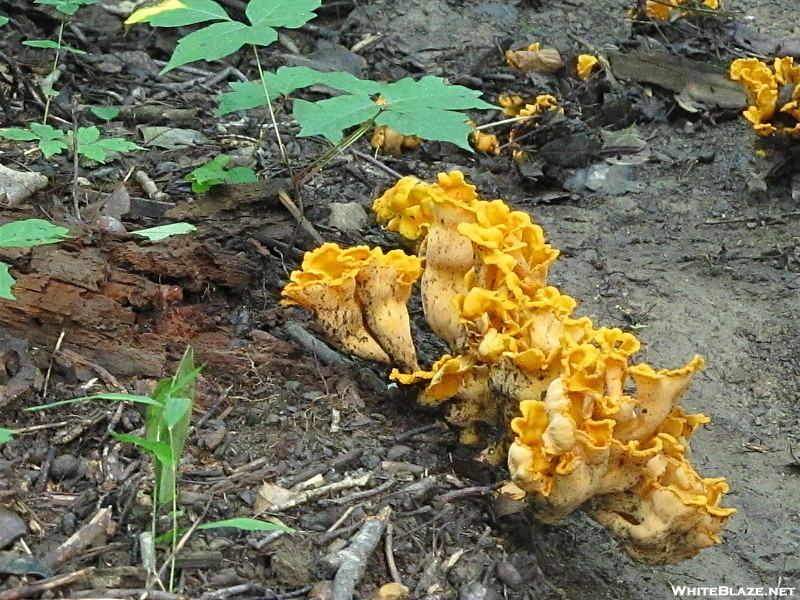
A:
{"x":23,"y":234}
{"x":428,"y":108}
{"x":167,"y":419}
{"x":214,"y":172}
{"x":6,"y":435}
{"x":3,"y":20}
{"x":52,"y":141}
{"x":107,"y":113}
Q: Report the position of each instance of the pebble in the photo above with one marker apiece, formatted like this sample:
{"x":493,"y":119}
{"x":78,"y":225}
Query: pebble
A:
{"x":348,"y":217}
{"x":508,"y":575}
{"x":397,"y":452}
{"x":64,"y":467}
{"x":11,"y":527}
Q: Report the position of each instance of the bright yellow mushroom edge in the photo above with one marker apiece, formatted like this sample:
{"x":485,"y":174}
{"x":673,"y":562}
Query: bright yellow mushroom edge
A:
{"x":558,"y":389}
{"x":773,"y":94}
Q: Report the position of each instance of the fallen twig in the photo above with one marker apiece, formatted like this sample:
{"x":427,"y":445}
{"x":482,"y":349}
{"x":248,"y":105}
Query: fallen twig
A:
{"x":308,"y":495}
{"x":53,"y":583}
{"x":389,"y":551}
{"x":321,"y":350}
{"x":354,"y":557}
{"x":100,"y":525}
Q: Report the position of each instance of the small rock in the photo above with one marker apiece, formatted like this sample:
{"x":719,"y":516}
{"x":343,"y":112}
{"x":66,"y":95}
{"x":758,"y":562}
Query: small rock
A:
{"x":18,"y":186}
{"x":397,"y":452}
{"x":69,"y":523}
{"x":11,"y":527}
{"x":476,"y":591}
{"x":508,"y":575}
{"x":348,"y":217}
{"x":64,"y":467}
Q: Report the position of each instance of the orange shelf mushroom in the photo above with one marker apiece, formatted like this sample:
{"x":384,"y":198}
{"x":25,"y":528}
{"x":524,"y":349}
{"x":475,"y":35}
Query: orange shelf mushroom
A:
{"x":555,"y":389}
{"x":773,"y":93}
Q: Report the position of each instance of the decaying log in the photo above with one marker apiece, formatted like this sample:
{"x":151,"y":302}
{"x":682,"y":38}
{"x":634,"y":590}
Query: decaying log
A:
{"x":693,"y":80}
{"x":122,"y":301}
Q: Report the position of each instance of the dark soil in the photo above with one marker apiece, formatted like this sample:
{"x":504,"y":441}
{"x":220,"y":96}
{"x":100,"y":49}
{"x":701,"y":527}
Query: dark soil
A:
{"x":683,"y":244}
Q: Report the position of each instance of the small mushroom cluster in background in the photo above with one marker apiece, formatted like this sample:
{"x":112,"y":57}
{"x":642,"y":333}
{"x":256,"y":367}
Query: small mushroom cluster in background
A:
{"x":659,"y":9}
{"x":557,"y":388}
{"x":773,"y":94}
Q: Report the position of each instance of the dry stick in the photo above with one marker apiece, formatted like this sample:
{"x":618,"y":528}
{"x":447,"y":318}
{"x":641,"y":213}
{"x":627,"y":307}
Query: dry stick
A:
{"x":116,"y":593}
{"x":308,"y":495}
{"x":297,"y":213}
{"x":371,"y":159}
{"x":390,"y":554}
{"x":321,"y":350}
{"x":53,"y":583}
{"x":182,"y":542}
{"x":355,"y":496}
{"x":100,"y":524}
{"x":355,"y":556}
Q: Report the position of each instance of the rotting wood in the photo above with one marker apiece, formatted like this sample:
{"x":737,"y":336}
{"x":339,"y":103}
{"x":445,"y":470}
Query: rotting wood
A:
{"x":122,"y":302}
{"x":698,"y":81}
{"x":354,"y":557}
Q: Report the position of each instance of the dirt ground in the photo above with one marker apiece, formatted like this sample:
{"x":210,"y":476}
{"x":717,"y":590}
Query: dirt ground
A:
{"x":681,"y":248}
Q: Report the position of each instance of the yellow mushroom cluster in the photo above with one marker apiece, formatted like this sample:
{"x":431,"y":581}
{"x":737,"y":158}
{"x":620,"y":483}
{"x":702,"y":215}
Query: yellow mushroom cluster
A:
{"x":662,"y":9}
{"x":773,"y":94}
{"x":558,"y":389}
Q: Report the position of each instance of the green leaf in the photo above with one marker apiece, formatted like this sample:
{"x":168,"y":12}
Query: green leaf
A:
{"x":68,"y":7}
{"x":73,"y":50}
{"x":52,"y":147}
{"x":3,"y":20}
{"x":17,"y":134}
{"x":176,"y":409}
{"x":177,"y":13}
{"x":161,"y":450}
{"x":279,"y":13}
{"x":162,"y":232}
{"x":241,"y":175}
{"x":50,"y":44}
{"x":6,"y":435}
{"x":218,"y":40}
{"x":31,"y":232}
{"x":46,"y":132}
{"x":431,"y":92}
{"x":6,"y":283}
{"x":331,"y":117}
{"x":246,"y":524}
{"x":110,"y":396}
{"x":284,"y":81}
{"x":87,"y":135}
{"x":430,"y":124}
{"x":106,"y":113}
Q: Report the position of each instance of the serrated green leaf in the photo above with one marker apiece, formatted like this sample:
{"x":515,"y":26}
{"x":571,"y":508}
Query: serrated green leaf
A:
{"x":118,"y":145}
{"x":6,"y":283}
{"x":162,"y":232}
{"x":49,"y":44}
{"x":106,"y":113}
{"x":92,"y":152}
{"x":329,"y":118}
{"x":46,"y":132}
{"x":6,"y":435}
{"x":178,"y":13}
{"x":51,"y":147}
{"x":430,"y":124}
{"x":161,"y":450}
{"x":31,"y":232}
{"x":3,"y":20}
{"x":18,"y":134}
{"x":431,"y":92}
{"x":279,"y":13}
{"x":284,"y":81}
{"x":216,"y":41}
{"x":87,"y":135}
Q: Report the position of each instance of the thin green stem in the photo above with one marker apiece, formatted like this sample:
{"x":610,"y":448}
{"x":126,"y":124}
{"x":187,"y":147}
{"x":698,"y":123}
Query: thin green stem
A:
{"x":282,"y":148}
{"x":339,"y":148}
{"x":56,"y":60}
{"x":174,"y":530}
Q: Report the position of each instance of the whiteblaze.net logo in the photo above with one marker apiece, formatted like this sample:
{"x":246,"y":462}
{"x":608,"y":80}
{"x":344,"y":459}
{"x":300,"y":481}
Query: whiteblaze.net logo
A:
{"x":726,"y":591}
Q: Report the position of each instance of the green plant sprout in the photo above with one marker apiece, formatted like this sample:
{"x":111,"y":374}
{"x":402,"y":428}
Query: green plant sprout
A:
{"x":214,"y":172}
{"x":66,"y":8}
{"x":428,"y":108}
{"x":52,"y":141}
{"x":167,"y":420}
{"x":23,"y":234}
{"x":3,"y":20}
{"x":6,"y":435}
